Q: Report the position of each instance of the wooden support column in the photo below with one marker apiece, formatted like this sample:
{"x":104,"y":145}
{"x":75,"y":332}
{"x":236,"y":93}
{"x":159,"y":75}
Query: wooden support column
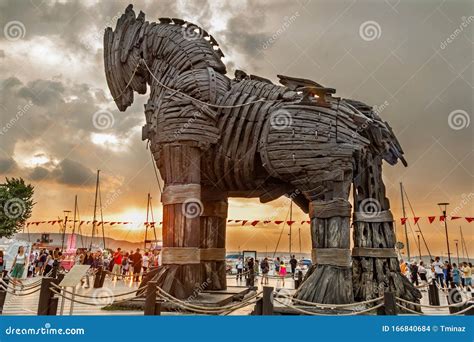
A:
{"x":180,"y":273}
{"x":375,"y":265}
{"x":213,"y":234}
{"x":329,"y":280}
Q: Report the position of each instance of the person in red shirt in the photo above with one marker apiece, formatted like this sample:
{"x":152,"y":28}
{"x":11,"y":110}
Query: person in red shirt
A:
{"x":117,"y":270}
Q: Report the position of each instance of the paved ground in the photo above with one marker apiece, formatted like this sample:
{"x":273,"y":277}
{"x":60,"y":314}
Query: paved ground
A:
{"x":27,"y":305}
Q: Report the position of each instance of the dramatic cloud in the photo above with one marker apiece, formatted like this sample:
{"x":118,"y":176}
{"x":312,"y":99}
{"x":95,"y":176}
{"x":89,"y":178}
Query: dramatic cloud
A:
{"x":413,"y":60}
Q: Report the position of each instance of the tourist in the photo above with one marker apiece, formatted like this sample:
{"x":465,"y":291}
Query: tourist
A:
{"x":277,"y":266}
{"x":282,"y":272}
{"x":18,"y":267}
{"x":293,"y":264}
{"x":125,"y":264}
{"x":146,"y":260}
{"x":265,"y":267}
{"x":251,"y":270}
{"x":422,"y":273}
{"x":414,"y":273}
{"x":448,"y":275}
{"x":468,"y":275}
{"x":48,"y":264}
{"x":438,"y":271}
{"x":117,"y":260}
{"x":2,"y":264}
{"x":137,"y":264}
{"x":403,"y":267}
{"x":463,"y":278}
{"x":40,"y":262}
{"x":240,"y":268}
{"x":456,"y":274}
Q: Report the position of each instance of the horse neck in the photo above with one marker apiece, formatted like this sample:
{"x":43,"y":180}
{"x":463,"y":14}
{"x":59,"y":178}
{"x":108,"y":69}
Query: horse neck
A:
{"x":170,"y":53}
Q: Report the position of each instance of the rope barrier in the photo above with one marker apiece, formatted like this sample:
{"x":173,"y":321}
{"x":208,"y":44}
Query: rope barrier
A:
{"x":94,"y":297}
{"x":175,"y":300}
{"x":18,"y":294}
{"x":319,"y":314}
{"x":432,"y":306}
{"x":463,"y":310}
{"x":329,"y":306}
{"x":88,"y":303}
{"x":409,"y":310}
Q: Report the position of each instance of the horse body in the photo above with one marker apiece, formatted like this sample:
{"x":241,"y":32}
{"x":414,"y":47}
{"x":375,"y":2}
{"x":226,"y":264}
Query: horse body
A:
{"x":214,"y":137}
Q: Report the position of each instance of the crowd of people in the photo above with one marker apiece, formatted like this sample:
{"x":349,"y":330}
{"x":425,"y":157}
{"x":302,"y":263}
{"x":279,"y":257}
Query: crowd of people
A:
{"x":444,"y":273}
{"x":250,"y":267}
{"x":48,"y":262}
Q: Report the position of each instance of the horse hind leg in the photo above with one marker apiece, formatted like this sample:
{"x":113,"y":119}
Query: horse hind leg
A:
{"x":330,"y":278}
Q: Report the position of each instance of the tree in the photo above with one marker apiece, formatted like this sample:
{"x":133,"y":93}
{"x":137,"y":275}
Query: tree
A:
{"x":16,"y":204}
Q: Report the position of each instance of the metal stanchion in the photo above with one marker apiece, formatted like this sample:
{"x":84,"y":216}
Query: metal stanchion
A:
{"x":47,"y":304}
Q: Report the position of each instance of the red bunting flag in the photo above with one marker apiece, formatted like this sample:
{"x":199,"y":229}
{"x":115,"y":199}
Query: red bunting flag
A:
{"x":254,"y":223}
{"x":278,"y":222}
{"x":441,"y":219}
{"x":455,"y":218}
{"x":229,"y":221}
{"x":431,"y":218}
{"x":53,"y":222}
{"x":469,"y":219}
{"x":403,"y":220}
{"x":237,"y":221}
{"x":266,"y":222}
{"x":81,"y":223}
{"x":290,"y":222}
{"x":244,"y":222}
{"x":415,"y":219}
{"x":302,"y":222}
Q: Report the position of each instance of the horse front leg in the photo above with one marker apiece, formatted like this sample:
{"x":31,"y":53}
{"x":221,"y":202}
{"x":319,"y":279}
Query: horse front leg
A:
{"x":374,"y":259}
{"x":329,"y":279}
{"x":180,"y":273}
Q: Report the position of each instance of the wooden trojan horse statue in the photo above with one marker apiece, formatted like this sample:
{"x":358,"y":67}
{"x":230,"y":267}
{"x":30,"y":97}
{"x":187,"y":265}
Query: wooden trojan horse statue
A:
{"x":213,"y":137}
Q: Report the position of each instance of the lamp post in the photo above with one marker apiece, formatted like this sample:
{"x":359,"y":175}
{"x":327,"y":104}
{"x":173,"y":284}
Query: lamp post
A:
{"x":64,"y":228}
{"x":457,"y":249}
{"x":443,"y":207}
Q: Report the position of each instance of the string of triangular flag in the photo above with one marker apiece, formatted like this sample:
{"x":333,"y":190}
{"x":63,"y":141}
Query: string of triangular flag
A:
{"x":253,"y":223}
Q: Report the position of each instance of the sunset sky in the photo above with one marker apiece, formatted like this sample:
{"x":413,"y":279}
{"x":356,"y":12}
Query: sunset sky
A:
{"x":417,"y":69}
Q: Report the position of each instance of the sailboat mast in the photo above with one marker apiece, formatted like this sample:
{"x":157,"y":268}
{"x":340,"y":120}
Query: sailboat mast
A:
{"x":147,"y":223}
{"x":463,"y":243}
{"x":95,"y":209}
{"x":291,"y":223}
{"x":74,"y":220}
{"x":405,"y":224}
